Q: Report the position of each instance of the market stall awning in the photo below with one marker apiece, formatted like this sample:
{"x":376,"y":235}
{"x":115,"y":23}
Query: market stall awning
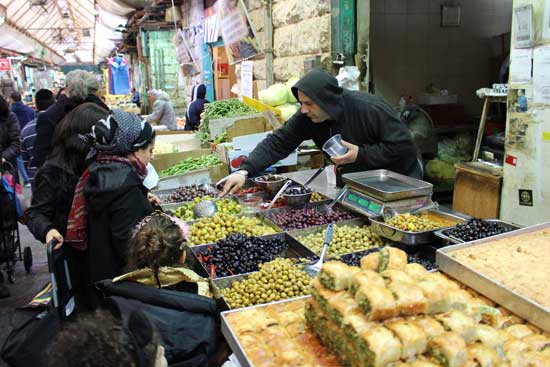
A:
{"x":69,"y":31}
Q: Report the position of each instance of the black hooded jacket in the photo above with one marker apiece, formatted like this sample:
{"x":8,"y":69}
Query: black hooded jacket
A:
{"x":192,"y":118}
{"x":116,"y":201}
{"x":362,"y":119}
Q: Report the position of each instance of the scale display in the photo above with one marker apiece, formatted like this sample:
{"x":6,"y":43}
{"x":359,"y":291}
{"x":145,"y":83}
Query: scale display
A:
{"x":363,"y":203}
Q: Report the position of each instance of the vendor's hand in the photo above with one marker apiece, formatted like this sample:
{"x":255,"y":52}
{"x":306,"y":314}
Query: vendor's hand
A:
{"x":53,"y":233}
{"x":349,"y":157}
{"x":233,"y":182}
{"x":153,"y":199}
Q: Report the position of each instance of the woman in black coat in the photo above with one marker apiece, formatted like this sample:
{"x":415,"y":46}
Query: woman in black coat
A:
{"x":56,"y":180}
{"x":9,"y":134}
{"x":110,"y":198}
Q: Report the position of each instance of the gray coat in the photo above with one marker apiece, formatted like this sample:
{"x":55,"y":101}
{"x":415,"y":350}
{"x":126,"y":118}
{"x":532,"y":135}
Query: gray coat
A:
{"x":163,"y":112}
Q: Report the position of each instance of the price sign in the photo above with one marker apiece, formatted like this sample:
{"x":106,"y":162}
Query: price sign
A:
{"x":5,"y":65}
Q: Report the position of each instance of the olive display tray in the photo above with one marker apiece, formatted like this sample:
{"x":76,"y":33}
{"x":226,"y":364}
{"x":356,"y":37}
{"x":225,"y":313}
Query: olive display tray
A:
{"x":172,"y":206}
{"x":452,"y":240}
{"x":413,"y":238}
{"x":298,"y":233}
{"x":315,"y":205}
{"x":295,"y":250}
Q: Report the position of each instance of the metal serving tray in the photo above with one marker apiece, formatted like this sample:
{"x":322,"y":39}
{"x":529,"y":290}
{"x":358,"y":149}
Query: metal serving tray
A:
{"x":232,"y":338}
{"x":315,"y":205}
{"x":451,"y":240}
{"x":387,"y":185}
{"x":295,"y":249}
{"x":515,"y":302}
{"x":408,"y":237}
{"x":297,"y":233}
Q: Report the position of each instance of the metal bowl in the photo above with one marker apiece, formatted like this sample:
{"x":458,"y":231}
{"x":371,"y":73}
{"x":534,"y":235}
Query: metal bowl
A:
{"x":296,"y":200}
{"x":273,"y":186}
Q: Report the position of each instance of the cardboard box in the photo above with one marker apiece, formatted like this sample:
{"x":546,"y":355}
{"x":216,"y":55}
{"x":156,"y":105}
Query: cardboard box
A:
{"x":164,"y":161}
{"x":243,"y":145}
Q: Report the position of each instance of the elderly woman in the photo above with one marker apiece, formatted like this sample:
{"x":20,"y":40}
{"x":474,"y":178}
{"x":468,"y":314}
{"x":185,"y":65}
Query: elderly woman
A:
{"x":81,"y":86}
{"x":163,"y":112}
{"x":110,"y":198}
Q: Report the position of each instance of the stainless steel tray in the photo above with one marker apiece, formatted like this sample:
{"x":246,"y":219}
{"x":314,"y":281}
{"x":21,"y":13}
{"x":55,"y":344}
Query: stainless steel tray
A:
{"x":451,"y":240}
{"x":387,"y":185}
{"x":411,"y":238}
{"x":316,"y":205}
{"x":174,"y":206}
{"x":295,"y":249}
{"x":232,"y":338}
{"x":515,"y":302}
{"x":297,"y":233}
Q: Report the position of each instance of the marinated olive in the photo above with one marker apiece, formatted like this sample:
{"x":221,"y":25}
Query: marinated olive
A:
{"x":345,"y":239}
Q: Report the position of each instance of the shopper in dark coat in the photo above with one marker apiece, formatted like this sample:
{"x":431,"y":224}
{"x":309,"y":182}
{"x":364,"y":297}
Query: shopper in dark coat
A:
{"x":81,"y":87}
{"x":9,"y":134}
{"x":371,"y":131}
{"x":23,"y":112}
{"x":56,"y":180}
{"x":110,"y":198}
{"x":196,"y":107}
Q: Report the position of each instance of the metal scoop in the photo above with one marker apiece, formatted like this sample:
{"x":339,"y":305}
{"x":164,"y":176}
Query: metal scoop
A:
{"x":312,"y":270}
{"x":277,"y":196}
{"x":327,"y":209}
{"x":205,"y":209}
{"x":389,"y":212}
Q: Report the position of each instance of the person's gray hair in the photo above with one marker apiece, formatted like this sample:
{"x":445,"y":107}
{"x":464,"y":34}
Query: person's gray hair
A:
{"x":80,"y":83}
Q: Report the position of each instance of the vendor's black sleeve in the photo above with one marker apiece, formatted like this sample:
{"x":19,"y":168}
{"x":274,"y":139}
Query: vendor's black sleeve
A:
{"x":276,"y":146}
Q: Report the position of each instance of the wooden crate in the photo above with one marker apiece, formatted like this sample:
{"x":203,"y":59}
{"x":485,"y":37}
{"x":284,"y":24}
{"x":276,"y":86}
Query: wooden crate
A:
{"x":164,"y":161}
{"x":477,"y":192}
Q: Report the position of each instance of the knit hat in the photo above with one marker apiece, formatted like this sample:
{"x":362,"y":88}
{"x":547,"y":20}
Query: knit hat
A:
{"x":121,"y":133}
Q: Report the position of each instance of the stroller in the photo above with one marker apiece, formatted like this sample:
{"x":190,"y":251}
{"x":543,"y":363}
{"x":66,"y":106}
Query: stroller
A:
{"x":10,"y":245}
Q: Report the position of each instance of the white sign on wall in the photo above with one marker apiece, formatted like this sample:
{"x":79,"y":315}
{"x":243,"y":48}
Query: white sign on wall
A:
{"x":247,"y":72}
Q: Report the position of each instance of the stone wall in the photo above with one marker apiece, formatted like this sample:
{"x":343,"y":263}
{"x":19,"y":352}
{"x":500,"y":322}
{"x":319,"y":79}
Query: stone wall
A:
{"x":301,"y":29}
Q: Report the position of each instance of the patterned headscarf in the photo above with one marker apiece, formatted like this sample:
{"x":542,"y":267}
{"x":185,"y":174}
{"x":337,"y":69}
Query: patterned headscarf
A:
{"x":121,"y":133}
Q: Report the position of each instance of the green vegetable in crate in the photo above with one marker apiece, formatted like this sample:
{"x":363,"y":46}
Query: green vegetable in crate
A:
{"x":345,"y":239}
{"x":275,"y":95}
{"x":191,"y":164}
{"x":209,"y":230}
{"x":226,"y":206}
{"x":227,"y":108}
{"x":276,"y":280}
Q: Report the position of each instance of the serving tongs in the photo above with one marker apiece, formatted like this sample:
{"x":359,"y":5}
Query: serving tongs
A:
{"x":277,"y":196}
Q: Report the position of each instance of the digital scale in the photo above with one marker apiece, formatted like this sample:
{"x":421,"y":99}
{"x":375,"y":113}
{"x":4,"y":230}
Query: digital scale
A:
{"x":372,"y":192}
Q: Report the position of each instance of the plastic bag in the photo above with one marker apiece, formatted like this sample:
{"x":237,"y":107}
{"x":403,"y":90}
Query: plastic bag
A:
{"x":21,"y":204}
{"x":348,"y":77}
{"x":289,"y":84}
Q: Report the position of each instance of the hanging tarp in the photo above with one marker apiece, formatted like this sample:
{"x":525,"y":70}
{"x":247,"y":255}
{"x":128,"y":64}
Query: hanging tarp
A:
{"x":238,"y":35}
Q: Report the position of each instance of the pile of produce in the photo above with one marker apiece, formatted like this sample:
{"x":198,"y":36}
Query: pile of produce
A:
{"x":345,"y":239}
{"x":317,"y":197}
{"x":226,"y":206}
{"x":209,"y":230}
{"x":221,"y":109}
{"x":413,"y":223}
{"x":239,"y":254}
{"x":475,"y":229}
{"x":188,"y":193}
{"x":276,"y":280}
{"x":308,"y":217}
{"x":163,"y":148}
{"x":191,"y":164}
{"x":280,"y":96}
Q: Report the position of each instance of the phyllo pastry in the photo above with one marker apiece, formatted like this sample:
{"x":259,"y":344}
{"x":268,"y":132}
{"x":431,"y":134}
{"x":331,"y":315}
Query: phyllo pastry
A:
{"x":459,"y":298}
{"x":445,"y":281}
{"x":413,"y":339}
{"x":483,"y":313}
{"x":386,"y":258}
{"x":519,"y":331}
{"x":537,"y":342}
{"x":429,"y":325}
{"x":355,"y":324}
{"x":341,"y":305}
{"x":393,"y":275}
{"x":424,"y":362}
{"x":449,"y":349}
{"x":482,"y":356}
{"x":416,"y":271}
{"x":460,"y":323}
{"x":409,"y":299}
{"x":376,"y":302}
{"x":489,"y":337}
{"x":336,"y":275}
{"x":436,"y":295}
{"x":365,"y":278}
{"x":378,"y":347}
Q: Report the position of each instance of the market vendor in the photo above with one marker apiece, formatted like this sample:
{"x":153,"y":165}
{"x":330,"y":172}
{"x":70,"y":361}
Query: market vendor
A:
{"x":370,"y":129}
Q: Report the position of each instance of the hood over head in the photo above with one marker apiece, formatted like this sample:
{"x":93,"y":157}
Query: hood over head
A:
{"x":162,"y":95}
{"x":201,"y":91}
{"x":323,"y":89}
